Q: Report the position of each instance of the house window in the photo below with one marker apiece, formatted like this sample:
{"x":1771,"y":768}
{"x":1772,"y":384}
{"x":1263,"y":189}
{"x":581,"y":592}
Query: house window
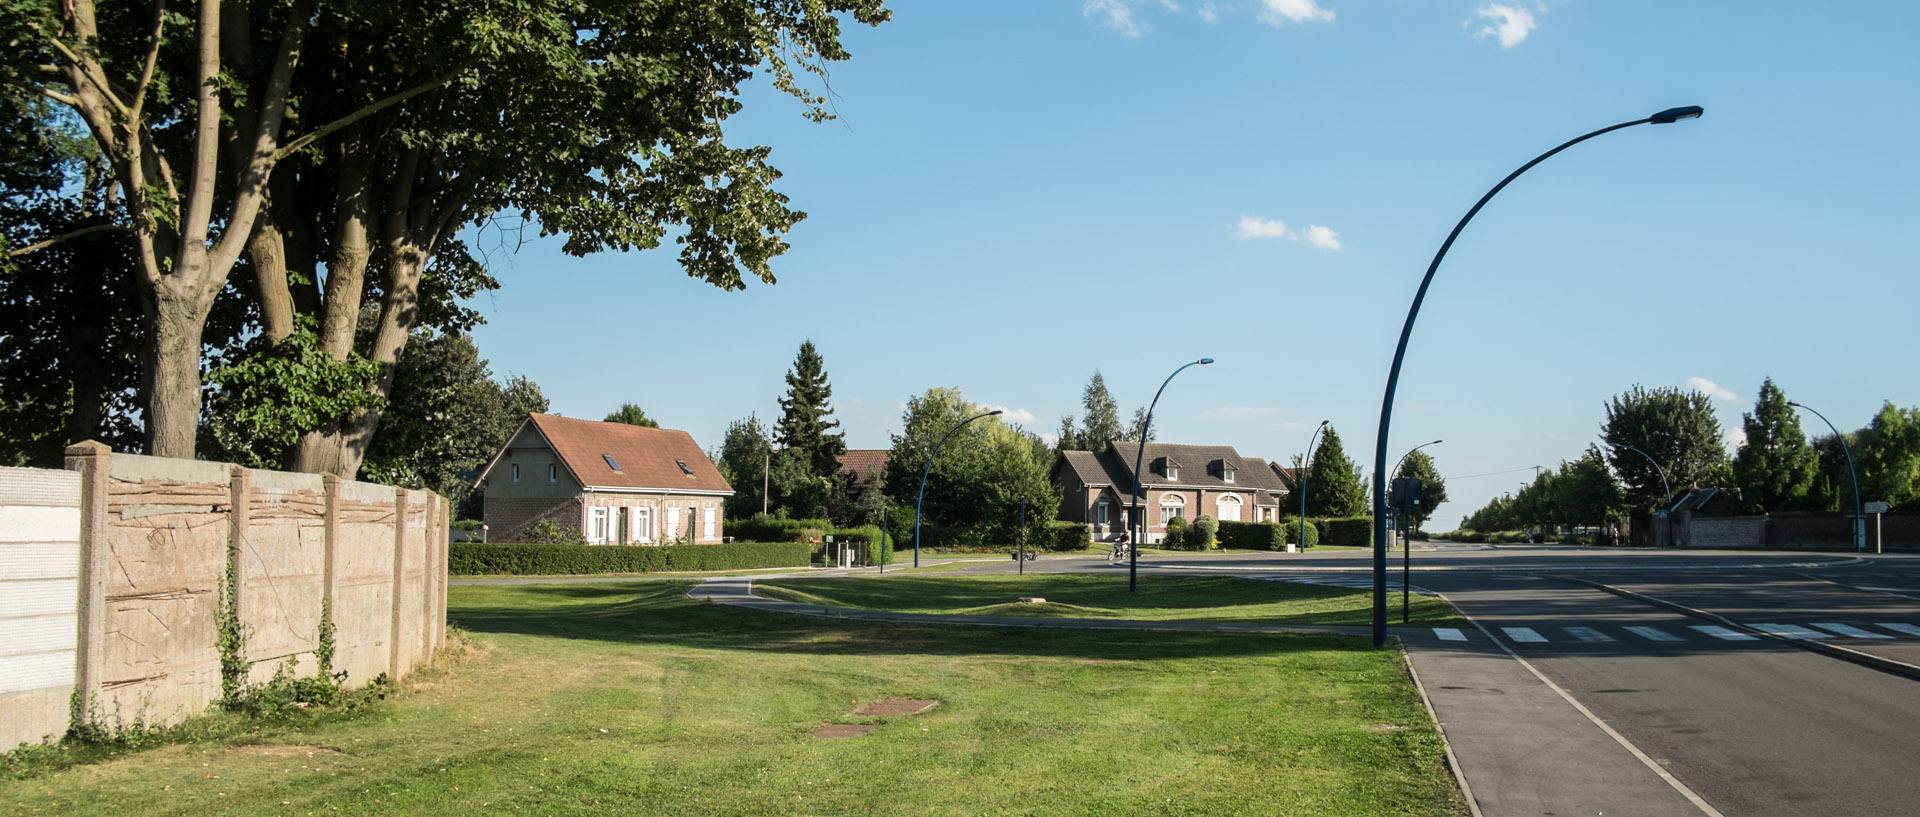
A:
{"x":553,"y":473}
{"x":706,"y":523}
{"x":1229,"y":508}
{"x":1171,"y":507}
{"x":616,"y":466}
{"x":1173,"y":472}
{"x":640,"y":524}
{"x":516,"y":473}
{"x":597,"y":519}
{"x":1100,"y":511}
{"x":673,"y":523}
{"x":1226,"y":474}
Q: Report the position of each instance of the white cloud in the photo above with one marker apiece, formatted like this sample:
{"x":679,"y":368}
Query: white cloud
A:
{"x":1235,"y":412}
{"x":1278,"y":12}
{"x":1323,"y":237}
{"x":1013,"y":415}
{"x":1710,"y":389}
{"x":1114,"y":14}
{"x":1256,"y":227}
{"x":1511,"y":24}
{"x":1209,"y":12}
{"x":1734,"y":438}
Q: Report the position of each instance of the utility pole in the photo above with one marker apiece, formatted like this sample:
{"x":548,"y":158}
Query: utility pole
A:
{"x":766,"y":480}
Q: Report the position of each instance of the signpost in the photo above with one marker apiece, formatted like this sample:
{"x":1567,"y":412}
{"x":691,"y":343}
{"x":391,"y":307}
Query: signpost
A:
{"x":1877,"y":508}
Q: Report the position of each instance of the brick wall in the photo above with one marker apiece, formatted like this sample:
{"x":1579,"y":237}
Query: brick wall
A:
{"x":507,"y":516}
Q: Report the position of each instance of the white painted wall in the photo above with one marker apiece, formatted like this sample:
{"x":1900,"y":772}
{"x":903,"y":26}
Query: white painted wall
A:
{"x":39,"y":599}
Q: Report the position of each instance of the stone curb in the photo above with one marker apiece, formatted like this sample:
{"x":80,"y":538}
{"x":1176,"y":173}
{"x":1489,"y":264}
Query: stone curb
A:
{"x":1518,"y":570}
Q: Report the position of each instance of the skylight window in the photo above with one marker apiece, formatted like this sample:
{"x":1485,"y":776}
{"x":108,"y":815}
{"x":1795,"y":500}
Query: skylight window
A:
{"x":610,"y":461}
{"x":684,"y":467}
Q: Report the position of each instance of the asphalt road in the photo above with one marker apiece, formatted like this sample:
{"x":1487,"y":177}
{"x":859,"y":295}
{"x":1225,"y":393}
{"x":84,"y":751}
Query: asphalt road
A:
{"x":1567,"y":699}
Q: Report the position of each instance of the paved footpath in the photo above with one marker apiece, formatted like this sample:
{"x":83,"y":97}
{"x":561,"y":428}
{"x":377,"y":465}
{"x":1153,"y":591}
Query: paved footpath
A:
{"x":1520,"y":746}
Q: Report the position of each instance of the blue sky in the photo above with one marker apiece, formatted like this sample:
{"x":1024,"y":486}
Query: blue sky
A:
{"x":1019,"y":193}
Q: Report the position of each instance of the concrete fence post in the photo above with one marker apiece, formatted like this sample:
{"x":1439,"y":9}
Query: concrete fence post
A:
{"x":239,"y":496}
{"x":92,"y":460}
{"x":330,"y":545}
{"x":399,"y":576}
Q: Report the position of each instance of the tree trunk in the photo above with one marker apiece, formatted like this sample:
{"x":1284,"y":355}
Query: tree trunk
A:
{"x":172,"y":367}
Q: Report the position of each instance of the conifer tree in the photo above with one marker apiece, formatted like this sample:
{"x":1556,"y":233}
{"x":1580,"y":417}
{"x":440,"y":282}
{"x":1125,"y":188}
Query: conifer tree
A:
{"x":805,"y":420}
{"x":1776,"y":467}
{"x":1333,"y":489}
{"x":1102,"y":423}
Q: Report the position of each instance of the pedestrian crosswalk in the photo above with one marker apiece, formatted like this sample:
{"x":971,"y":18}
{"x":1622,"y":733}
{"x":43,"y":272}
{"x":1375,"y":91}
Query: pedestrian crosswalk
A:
{"x":1674,"y":634}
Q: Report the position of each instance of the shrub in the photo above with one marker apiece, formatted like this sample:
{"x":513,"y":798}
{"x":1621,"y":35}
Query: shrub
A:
{"x":1352,"y":532}
{"x":1202,"y":534}
{"x":769,"y":528}
{"x":1176,"y":536}
{"x":876,"y":549}
{"x":1292,"y":533}
{"x":465,"y":524}
{"x":1252,"y":536}
{"x":549,"y":532}
{"x":474,"y":558}
{"x":1060,"y":537}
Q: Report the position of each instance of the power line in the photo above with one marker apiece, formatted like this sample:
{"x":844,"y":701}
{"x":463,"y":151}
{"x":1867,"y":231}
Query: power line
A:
{"x":1495,"y":473}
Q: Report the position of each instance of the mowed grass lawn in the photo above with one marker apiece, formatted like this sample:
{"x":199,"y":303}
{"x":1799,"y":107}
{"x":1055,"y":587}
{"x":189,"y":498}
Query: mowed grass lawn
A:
{"x":632,"y":699}
{"x":1159,"y":598}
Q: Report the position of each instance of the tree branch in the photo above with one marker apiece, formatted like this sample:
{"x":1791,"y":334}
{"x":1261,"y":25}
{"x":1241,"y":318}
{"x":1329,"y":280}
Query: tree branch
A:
{"x":97,"y":228}
{"x":253,"y":184}
{"x":323,"y":131}
{"x":153,"y":56}
{"x":60,"y":98}
{"x":92,"y":77}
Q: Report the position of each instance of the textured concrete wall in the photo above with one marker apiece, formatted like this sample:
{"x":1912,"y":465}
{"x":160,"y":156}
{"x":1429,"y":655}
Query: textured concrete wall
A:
{"x":111,"y":577}
{"x":1727,"y":531}
{"x":39,"y":602}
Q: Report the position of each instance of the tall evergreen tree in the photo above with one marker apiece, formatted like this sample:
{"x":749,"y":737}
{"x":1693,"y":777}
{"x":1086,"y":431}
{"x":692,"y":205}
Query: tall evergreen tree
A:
{"x":1134,"y":429}
{"x":1102,"y":422}
{"x":1333,"y":489}
{"x":805,"y":420}
{"x":1776,"y":467}
{"x":1676,"y":427}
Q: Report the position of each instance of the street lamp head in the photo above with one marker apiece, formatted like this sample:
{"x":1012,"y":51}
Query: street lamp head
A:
{"x":1323,"y":423}
{"x":994,"y":412}
{"x":1793,"y":404}
{"x":1205,"y":360}
{"x":1672,"y":115}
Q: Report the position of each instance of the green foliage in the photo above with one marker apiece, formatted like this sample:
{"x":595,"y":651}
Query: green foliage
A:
{"x":1101,"y":424}
{"x":1204,"y":532}
{"x":474,"y":558}
{"x":1889,"y":457}
{"x":744,"y":452}
{"x":632,"y":415}
{"x":1677,"y":428}
{"x":797,"y":490}
{"x":1175,"y":537}
{"x":1293,"y":529}
{"x":973,"y":491}
{"x":1253,"y":536}
{"x":550,"y":532}
{"x":805,"y":425}
{"x":1776,"y":466}
{"x":447,"y":415}
{"x":1433,"y":488}
{"x":230,"y":638}
{"x":1060,"y":537}
{"x":1333,"y":486}
{"x":265,"y":399}
{"x":1351,"y":532}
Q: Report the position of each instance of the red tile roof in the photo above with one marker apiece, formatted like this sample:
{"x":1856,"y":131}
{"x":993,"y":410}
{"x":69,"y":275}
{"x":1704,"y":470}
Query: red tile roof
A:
{"x":646,"y":455}
{"x":863,"y":463}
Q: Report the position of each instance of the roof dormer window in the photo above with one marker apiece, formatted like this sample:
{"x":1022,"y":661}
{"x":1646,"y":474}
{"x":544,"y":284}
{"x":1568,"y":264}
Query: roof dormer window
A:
{"x":1226,"y":474}
{"x":1172,"y":471}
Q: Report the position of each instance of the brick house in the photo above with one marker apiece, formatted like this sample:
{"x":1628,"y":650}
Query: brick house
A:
{"x":862,"y":465}
{"x":1181,"y":480}
{"x":619,"y":483}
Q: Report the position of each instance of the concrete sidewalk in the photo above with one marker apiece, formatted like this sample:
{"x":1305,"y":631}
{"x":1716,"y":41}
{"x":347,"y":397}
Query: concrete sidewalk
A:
{"x":1521,"y":747}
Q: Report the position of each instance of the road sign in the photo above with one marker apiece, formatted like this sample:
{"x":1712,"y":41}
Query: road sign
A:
{"x":1877,"y":507}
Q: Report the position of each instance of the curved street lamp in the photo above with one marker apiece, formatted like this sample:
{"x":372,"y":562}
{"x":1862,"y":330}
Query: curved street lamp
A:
{"x":1859,"y":515}
{"x":1667,"y":116}
{"x":922,"y":498}
{"x":1300,"y":484}
{"x":1665,"y":487}
{"x":1133,"y":550}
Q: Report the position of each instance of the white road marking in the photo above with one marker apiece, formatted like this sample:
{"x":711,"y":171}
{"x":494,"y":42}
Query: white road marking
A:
{"x":1449,"y":634}
{"x":1850,"y":632}
{"x":1588,"y":634}
{"x":1906,"y":629}
{"x":1723,"y":633}
{"x":1790,"y":631}
{"x":1524,"y":635}
{"x":1654,"y":634}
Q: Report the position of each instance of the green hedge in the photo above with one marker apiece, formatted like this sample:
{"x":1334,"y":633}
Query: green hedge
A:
{"x":1292,"y":533}
{"x":1253,"y":536}
{"x":1060,"y":537}
{"x":1354,"y":532}
{"x":768,"y":528}
{"x":474,"y":558}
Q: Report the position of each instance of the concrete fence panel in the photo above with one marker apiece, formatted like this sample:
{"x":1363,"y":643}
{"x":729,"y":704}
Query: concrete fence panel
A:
{"x":39,"y":601}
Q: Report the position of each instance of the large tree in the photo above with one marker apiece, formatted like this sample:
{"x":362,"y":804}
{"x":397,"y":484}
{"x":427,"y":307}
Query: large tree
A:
{"x":744,"y":458}
{"x":1333,"y":485}
{"x":973,"y":492}
{"x":1433,"y":487}
{"x":1889,"y":456}
{"x":1101,"y":423}
{"x":1586,"y":493}
{"x":599,"y":121}
{"x":1776,"y":466}
{"x":448,"y":417}
{"x":1676,"y":427}
{"x":806,"y":423}
{"x":631,"y":414}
